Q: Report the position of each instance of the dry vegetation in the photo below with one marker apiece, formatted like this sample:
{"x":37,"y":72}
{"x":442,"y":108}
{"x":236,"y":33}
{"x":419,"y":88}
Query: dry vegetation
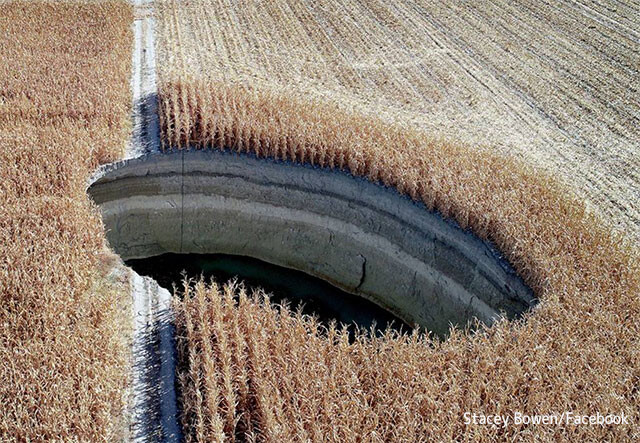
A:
{"x":252,"y":372}
{"x":371,"y":87}
{"x":64,"y":108}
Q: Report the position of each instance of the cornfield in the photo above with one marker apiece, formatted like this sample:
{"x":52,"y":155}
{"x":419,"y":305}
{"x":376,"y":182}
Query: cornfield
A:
{"x":471,"y":110}
{"x":64,"y":108}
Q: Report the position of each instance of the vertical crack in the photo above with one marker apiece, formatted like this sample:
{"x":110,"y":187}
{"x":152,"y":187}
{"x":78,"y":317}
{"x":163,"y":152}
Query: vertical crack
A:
{"x":363,"y":273}
{"x":182,"y":202}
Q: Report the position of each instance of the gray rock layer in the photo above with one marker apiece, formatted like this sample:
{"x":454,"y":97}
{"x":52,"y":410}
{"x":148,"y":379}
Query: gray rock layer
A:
{"x":362,"y":237}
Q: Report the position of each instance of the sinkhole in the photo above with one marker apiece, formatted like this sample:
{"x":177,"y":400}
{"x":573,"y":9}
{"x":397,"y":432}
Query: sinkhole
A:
{"x":358,"y":237}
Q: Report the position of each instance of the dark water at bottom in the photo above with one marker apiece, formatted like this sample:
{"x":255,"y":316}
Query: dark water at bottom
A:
{"x":317,"y":296}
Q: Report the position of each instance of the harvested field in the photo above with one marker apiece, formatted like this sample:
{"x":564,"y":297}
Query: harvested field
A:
{"x":64,"y":108}
{"x":527,"y":137}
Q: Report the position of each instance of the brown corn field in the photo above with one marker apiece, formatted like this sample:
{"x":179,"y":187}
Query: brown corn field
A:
{"x":64,"y":108}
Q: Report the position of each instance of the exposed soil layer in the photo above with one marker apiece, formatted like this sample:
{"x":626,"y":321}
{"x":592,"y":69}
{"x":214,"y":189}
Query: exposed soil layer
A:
{"x":361,"y":237}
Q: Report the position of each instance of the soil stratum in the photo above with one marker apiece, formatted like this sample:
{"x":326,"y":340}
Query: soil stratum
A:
{"x":519,"y":120}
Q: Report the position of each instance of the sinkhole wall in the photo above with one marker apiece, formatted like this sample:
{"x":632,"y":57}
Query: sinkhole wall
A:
{"x":361,"y":237}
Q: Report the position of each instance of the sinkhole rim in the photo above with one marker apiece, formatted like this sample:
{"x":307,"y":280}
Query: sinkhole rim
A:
{"x":365,"y":238}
